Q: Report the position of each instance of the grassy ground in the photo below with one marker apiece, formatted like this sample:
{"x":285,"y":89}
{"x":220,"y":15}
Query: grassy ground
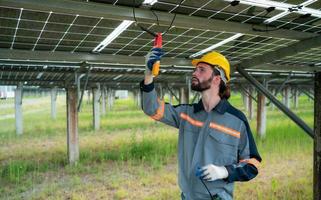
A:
{"x":133,"y":157}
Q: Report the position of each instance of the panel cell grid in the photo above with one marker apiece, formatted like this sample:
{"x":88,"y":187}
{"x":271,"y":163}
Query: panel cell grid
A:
{"x":50,"y":31}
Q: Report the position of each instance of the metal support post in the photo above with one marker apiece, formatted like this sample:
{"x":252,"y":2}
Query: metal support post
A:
{"x":183,"y":95}
{"x":287,"y":96}
{"x":251,"y":108}
{"x":113,"y":94}
{"x":245,"y":101}
{"x":88,"y":96}
{"x":296,"y":98}
{"x":172,"y":93}
{"x":54,"y":91}
{"x":109,"y":101}
{"x":135,"y":97}
{"x":103,"y":101}
{"x":189,"y":87}
{"x":261,"y":116}
{"x":96,"y":109}
{"x":139,"y":99}
{"x":72,"y":125}
{"x":18,"y":109}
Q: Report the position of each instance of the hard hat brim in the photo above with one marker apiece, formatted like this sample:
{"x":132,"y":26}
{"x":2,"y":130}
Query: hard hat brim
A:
{"x":196,"y":61}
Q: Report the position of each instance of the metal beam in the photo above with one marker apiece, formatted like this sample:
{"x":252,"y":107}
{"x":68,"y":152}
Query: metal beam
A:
{"x":34,"y":84}
{"x":270,"y":96}
{"x":64,"y":58}
{"x":292,"y":49}
{"x":6,"y":64}
{"x":109,"y":11}
{"x":124,"y":84}
{"x":288,"y":68}
{"x":18,"y":79}
{"x":93,"y":73}
{"x":169,"y":73}
{"x":109,"y":83}
{"x":68,"y":59}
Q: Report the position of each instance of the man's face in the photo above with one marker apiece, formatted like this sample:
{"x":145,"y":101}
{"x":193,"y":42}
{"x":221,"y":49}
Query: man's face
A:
{"x":202,"y":77}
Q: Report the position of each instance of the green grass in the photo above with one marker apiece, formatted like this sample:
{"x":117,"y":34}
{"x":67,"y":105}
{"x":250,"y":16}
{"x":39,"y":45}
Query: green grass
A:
{"x":133,"y":157}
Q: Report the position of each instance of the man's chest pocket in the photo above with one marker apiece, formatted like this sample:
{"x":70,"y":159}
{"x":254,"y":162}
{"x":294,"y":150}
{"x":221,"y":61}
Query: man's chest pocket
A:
{"x":222,"y":144}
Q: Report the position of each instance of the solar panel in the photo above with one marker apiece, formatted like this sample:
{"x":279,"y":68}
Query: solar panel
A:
{"x":38,"y":29}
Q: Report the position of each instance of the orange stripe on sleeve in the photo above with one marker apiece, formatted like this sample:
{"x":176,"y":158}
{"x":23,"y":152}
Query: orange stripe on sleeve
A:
{"x":191,"y":120}
{"x":225,"y":130}
{"x":160,"y":111}
{"x":252,"y":161}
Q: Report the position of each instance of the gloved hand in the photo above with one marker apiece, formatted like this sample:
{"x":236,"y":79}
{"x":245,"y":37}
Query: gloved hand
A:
{"x":212,"y":172}
{"x":154,"y":55}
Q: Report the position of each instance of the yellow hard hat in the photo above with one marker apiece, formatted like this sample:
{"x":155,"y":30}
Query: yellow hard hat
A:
{"x":215,"y":58}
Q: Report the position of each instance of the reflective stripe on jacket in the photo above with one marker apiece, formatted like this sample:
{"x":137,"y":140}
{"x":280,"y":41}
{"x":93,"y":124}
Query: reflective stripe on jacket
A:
{"x":221,"y":137}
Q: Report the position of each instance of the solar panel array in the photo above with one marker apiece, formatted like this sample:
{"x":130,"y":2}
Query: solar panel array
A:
{"x":38,"y":30}
{"x":242,"y":13}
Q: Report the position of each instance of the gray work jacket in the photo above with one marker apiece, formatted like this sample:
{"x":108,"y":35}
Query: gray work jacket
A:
{"x":221,"y":137}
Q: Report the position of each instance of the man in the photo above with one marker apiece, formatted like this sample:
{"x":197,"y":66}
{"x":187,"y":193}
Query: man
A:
{"x":216,"y":146}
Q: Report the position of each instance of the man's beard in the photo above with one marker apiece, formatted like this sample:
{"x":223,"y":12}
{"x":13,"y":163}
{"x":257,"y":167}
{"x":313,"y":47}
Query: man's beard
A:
{"x":202,"y":86}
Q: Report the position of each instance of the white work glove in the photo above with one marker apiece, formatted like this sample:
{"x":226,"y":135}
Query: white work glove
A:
{"x":212,"y":172}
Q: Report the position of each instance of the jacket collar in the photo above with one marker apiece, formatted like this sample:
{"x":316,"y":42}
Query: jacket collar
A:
{"x":221,"y":107}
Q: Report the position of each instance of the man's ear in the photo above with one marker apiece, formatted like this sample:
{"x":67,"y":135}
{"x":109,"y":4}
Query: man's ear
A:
{"x":217,"y":80}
